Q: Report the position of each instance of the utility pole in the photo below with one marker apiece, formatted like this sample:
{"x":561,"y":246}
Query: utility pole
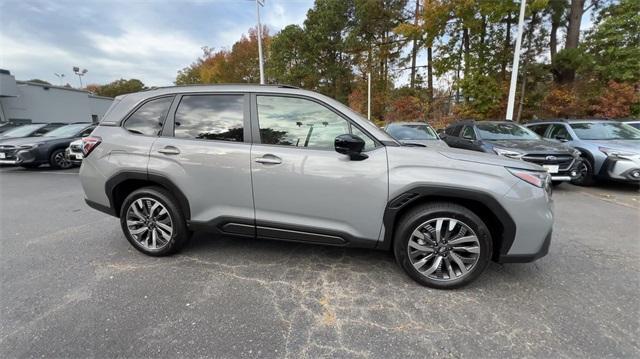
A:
{"x":516,"y":61}
{"x":369,"y":97}
{"x":77,"y":71}
{"x":59,"y":76}
{"x":260,"y":59}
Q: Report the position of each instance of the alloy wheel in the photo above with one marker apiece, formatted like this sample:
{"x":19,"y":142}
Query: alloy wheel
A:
{"x":61,"y":161}
{"x":149,"y":223}
{"x":443,"y":249}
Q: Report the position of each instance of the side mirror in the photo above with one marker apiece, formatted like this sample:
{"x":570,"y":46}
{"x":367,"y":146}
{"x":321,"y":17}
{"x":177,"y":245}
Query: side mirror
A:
{"x":350,"y":145}
{"x":562,"y":138}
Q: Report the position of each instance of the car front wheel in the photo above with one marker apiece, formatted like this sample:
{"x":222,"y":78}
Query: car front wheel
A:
{"x":59,"y":160}
{"x":442,"y":245}
{"x":585,"y":174}
{"x":153,"y":223}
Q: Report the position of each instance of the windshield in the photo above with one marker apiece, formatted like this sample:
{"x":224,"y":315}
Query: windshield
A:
{"x":21,"y":131}
{"x":66,"y":131}
{"x":605,"y":131}
{"x":412,"y":132}
{"x":505,"y":131}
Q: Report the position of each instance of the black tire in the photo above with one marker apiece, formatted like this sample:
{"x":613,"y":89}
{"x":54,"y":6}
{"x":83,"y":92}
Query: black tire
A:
{"x":416,"y":217}
{"x":585,"y":174}
{"x":180,"y":236}
{"x":58,"y":160}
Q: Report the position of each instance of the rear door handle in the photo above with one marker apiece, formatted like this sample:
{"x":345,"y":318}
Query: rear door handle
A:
{"x":169,"y":150}
{"x":269,"y":160}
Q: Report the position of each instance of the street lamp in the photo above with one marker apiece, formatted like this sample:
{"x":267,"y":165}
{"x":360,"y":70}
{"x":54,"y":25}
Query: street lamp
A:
{"x":516,"y":61}
{"x":260,"y":60}
{"x":59,"y":76}
{"x":80,"y":73}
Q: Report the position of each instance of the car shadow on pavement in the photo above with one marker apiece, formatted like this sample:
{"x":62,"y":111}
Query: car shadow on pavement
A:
{"x":278,"y":259}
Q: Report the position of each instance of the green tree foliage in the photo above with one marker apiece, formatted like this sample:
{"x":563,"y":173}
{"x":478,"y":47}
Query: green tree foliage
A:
{"x":468,"y":47}
{"x":118,"y":87}
{"x":614,"y":42}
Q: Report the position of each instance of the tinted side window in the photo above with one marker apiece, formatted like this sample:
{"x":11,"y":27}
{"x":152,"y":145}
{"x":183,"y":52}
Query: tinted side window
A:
{"x":453,"y":130}
{"x":210,"y":117}
{"x":87,"y":132}
{"x":298,"y":122}
{"x":148,"y":119}
{"x":539,"y":129}
{"x":559,"y":132}
{"x":468,"y":133}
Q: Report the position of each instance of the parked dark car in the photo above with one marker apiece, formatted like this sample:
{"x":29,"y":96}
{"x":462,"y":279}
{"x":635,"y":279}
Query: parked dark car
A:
{"x":6,"y":126}
{"x":30,"y":130}
{"x":415,"y":133}
{"x":30,"y":152}
{"x":610,"y":149}
{"x":512,"y":140}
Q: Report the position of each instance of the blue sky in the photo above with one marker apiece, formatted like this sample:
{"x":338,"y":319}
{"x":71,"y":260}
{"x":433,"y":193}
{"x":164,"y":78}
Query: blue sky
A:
{"x":148,"y":40}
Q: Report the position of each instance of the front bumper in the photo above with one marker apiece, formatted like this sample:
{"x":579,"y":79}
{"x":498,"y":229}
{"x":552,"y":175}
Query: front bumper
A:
{"x":531,"y":209}
{"x":73,"y":156}
{"x":626,"y":169}
{"x":561,"y":168}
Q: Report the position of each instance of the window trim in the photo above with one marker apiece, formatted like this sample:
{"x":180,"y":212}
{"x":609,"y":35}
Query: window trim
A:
{"x":142,"y":103}
{"x":169,"y":124}
{"x":255,"y":121}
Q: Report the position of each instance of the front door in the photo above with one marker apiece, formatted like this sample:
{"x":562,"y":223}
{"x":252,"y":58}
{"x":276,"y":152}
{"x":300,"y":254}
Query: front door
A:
{"x":303,"y":189}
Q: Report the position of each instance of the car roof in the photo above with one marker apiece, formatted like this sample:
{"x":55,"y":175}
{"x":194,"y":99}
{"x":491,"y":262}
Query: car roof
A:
{"x":569,"y":120}
{"x":407,"y":123}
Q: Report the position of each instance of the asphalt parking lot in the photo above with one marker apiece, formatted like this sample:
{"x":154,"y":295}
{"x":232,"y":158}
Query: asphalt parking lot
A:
{"x":71,"y":286}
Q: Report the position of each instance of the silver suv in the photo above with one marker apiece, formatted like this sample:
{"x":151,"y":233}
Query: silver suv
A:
{"x":276,"y":162}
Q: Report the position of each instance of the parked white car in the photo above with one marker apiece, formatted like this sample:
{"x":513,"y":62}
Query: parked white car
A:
{"x":74,"y":152}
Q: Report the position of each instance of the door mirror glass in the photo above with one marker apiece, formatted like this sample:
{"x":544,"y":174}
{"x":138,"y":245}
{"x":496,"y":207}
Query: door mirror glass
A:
{"x":350,"y":145}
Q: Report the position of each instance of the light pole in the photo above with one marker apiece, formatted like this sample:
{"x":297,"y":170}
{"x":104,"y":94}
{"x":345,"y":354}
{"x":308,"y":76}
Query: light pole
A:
{"x":260,"y":60}
{"x":77,"y":71}
{"x":516,"y":62}
{"x":59,"y":76}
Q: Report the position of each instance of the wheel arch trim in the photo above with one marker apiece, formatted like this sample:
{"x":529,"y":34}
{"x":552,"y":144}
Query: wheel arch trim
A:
{"x":421,"y":194}
{"x":123,"y":176}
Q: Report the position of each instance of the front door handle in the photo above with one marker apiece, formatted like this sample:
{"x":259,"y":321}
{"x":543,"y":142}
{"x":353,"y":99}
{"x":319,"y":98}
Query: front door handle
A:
{"x":169,"y":150}
{"x":269,"y":160}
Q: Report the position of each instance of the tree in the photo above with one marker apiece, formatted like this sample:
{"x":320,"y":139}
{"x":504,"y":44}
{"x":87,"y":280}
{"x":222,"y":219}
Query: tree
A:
{"x":38,"y":81}
{"x":614,"y":43}
{"x":120,"y":87}
{"x":289,"y":62}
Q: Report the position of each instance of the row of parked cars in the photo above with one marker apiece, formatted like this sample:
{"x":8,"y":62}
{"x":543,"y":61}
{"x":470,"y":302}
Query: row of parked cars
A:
{"x":32,"y":145}
{"x":581,"y":151}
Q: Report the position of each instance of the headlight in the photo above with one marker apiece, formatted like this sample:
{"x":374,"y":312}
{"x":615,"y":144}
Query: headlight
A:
{"x":536,"y":178}
{"x":30,"y":146}
{"x":507,"y":153}
{"x":616,"y":153}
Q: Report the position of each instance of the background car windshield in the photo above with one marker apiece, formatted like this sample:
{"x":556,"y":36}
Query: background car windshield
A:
{"x":66,"y":131}
{"x":505,"y":131}
{"x":605,"y":131}
{"x":21,"y":131}
{"x":412,"y":132}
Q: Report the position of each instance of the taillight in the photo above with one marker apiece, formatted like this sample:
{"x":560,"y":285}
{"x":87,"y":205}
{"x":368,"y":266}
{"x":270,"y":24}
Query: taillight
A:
{"x":89,"y":143}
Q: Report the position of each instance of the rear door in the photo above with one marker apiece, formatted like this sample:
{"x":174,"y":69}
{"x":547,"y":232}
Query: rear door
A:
{"x":205,"y":151}
{"x":467,"y":139}
{"x":303,"y":189}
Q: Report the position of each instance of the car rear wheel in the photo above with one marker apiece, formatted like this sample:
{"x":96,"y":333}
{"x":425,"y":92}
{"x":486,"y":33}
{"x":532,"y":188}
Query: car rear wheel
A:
{"x":59,"y":160}
{"x":585,"y":174}
{"x":153,"y":223}
{"x":442,"y":245}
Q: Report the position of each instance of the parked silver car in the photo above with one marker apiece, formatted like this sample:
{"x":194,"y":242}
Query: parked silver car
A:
{"x":276,"y":162}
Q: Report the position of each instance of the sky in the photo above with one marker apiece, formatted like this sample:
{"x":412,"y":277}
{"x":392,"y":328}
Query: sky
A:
{"x":149,"y":40}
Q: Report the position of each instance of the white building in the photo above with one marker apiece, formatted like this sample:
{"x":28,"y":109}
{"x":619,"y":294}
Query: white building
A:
{"x":30,"y":102}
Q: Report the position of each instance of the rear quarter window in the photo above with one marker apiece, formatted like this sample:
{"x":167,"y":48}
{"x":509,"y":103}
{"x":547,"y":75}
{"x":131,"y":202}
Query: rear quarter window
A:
{"x":149,"y":118}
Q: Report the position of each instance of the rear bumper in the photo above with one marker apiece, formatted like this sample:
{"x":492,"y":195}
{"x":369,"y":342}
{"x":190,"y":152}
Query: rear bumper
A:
{"x":97,"y":206}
